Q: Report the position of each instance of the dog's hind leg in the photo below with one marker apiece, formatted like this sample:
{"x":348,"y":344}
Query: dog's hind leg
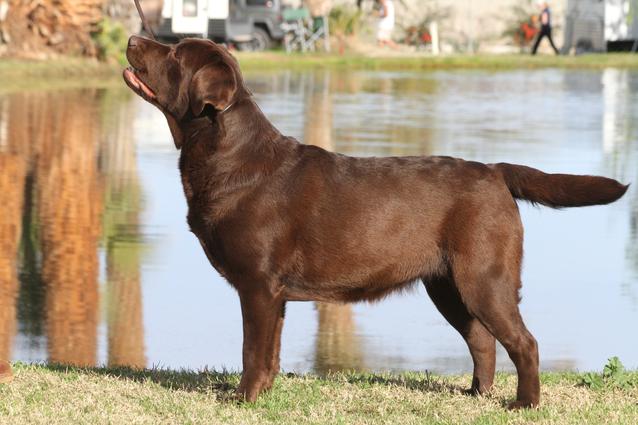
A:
{"x":494,"y":300}
{"x":484,"y":251}
{"x":479,"y":340}
{"x":262,"y":315}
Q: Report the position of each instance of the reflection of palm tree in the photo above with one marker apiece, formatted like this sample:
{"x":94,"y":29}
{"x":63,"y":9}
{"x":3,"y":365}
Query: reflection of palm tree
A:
{"x":49,"y":157}
{"x":121,"y":235}
{"x":12,"y":170}
{"x":16,"y":121}
{"x":336,"y":345}
{"x":14,"y":151}
{"x":318,"y":110}
{"x":70,"y":204}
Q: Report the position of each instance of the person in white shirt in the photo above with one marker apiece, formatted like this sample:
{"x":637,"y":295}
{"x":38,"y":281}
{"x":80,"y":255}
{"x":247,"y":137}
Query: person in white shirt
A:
{"x":385,"y":25}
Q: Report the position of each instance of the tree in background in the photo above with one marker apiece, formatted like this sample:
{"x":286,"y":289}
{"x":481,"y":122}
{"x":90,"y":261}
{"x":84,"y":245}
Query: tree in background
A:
{"x":42,"y":28}
{"x":46,"y":28}
{"x":345,"y":23}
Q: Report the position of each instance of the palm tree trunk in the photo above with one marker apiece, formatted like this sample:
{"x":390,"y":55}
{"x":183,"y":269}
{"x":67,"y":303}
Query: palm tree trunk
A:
{"x":41,"y":28}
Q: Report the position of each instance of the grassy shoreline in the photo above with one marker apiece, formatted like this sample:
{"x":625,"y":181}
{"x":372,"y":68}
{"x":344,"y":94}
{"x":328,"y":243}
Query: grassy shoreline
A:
{"x":270,"y":60}
{"x":55,"y":394}
{"x":77,"y":72}
{"x":21,"y":74}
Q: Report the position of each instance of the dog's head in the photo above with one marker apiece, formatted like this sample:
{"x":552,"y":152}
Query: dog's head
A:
{"x":184,"y":80}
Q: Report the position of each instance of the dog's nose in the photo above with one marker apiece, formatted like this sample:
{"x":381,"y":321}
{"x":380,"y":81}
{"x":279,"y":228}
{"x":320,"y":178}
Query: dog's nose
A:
{"x":133,"y":42}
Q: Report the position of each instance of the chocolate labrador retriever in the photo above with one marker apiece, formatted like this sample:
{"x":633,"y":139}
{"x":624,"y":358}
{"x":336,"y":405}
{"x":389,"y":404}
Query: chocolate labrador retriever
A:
{"x":283,"y":221}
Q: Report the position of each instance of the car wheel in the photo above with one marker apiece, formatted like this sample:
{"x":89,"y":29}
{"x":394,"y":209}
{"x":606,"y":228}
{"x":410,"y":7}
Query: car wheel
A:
{"x":261,"y":40}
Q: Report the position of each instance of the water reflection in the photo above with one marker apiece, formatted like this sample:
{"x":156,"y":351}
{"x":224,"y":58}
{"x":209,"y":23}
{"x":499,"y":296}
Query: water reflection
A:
{"x":62,"y":157}
{"x":31,"y":298}
{"x":619,"y":138}
{"x":337,"y":345}
{"x":11,"y":192}
{"x":70,"y":200}
{"x":122,"y":242}
{"x":97,"y":265}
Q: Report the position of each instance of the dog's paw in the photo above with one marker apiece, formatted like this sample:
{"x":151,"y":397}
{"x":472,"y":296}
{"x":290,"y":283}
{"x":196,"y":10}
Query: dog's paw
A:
{"x":475,"y":392}
{"x":245,"y":396}
{"x":521,"y":404}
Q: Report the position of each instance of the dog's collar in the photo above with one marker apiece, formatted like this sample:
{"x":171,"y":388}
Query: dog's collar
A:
{"x":230,"y":105}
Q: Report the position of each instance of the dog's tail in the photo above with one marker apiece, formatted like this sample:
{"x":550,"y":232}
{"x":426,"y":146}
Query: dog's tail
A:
{"x":558,"y":190}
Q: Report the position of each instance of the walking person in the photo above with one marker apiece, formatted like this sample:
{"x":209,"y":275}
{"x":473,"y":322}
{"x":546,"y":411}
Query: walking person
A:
{"x":546,"y":28}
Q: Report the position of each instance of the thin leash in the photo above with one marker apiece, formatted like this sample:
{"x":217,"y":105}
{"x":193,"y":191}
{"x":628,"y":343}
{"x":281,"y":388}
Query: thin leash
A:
{"x":145,"y":24}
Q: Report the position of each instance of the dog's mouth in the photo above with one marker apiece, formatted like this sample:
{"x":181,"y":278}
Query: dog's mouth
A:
{"x":134,"y":82}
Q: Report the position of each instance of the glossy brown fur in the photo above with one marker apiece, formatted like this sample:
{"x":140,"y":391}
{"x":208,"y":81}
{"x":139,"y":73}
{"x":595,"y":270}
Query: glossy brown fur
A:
{"x":283,"y":221}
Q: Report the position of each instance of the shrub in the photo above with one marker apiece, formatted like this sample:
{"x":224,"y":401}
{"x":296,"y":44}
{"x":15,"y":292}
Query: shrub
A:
{"x":111,"y":41}
{"x":614,"y":376}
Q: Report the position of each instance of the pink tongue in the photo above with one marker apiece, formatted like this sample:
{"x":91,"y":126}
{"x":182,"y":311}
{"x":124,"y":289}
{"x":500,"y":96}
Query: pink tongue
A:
{"x":138,"y":83}
{"x":132,"y":78}
{"x":146,"y":90}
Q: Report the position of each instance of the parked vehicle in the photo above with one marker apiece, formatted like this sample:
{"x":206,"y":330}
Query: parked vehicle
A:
{"x":601,"y":25}
{"x":248,"y":24}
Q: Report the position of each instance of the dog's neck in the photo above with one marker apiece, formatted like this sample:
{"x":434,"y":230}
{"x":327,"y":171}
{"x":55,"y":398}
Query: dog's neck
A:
{"x":230,"y":152}
{"x":226,"y":157}
{"x":244,"y":123}
{"x":192,"y":129}
{"x":241,"y":122}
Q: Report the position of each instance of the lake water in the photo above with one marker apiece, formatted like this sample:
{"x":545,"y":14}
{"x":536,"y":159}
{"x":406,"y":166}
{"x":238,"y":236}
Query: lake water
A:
{"x":97,"y":265}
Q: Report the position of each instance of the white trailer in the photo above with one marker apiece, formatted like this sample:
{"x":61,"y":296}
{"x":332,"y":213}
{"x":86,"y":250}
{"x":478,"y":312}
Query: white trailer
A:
{"x":621,"y":24}
{"x":251,"y":24}
{"x":600,"y":25}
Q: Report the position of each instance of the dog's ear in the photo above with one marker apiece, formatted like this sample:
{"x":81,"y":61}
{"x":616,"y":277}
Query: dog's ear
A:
{"x":176,"y":132}
{"x":215,"y":85}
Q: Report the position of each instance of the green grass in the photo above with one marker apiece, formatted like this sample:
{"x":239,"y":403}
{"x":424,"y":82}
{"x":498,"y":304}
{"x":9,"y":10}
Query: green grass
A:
{"x":20,"y":74}
{"x":269,"y":60}
{"x":16,"y":74}
{"x":57,"y":395}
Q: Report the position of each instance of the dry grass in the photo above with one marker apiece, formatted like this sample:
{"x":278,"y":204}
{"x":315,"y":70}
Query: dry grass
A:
{"x":58,"y":395}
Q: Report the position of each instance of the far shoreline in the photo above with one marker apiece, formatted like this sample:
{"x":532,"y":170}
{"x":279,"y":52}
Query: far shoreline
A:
{"x":75,"y":72}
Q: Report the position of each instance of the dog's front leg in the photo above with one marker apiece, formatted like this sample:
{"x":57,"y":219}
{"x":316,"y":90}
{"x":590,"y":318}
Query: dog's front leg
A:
{"x":262,"y":314}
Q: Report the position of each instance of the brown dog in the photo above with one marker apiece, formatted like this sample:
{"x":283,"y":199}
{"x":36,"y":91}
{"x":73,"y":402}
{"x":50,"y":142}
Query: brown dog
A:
{"x":283,"y":221}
